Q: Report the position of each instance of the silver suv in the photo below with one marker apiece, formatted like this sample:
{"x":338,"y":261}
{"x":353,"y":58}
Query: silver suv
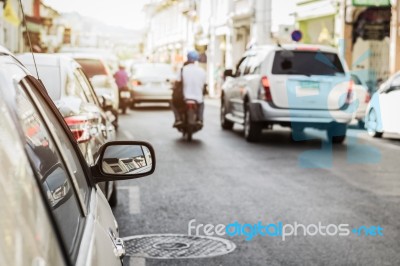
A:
{"x":296,"y":86}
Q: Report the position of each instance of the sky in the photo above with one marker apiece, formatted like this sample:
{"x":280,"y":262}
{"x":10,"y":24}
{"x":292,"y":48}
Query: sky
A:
{"x":125,"y":13}
{"x":128,"y":13}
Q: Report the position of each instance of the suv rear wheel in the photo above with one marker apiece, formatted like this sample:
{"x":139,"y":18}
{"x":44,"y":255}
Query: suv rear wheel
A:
{"x":252,"y":130}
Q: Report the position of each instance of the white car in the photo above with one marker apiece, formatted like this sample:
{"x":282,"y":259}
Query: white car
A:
{"x":52,"y":210}
{"x":152,"y":82}
{"x":297,"y":86}
{"x":383,"y":111}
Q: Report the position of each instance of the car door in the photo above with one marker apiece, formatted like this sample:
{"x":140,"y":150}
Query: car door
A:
{"x":27,"y":235}
{"x":237,"y":89}
{"x":83,"y":217}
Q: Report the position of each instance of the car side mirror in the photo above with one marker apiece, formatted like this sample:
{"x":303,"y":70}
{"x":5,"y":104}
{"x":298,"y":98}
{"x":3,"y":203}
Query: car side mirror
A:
{"x":228,"y":73}
{"x":121,"y":160}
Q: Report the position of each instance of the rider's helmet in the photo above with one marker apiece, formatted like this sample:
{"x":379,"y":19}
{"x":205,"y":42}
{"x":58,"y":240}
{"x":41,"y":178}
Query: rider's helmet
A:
{"x":192,"y":56}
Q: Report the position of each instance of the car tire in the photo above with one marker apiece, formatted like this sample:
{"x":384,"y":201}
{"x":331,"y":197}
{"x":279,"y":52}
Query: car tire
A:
{"x":225,"y":124}
{"x":337,"y":133}
{"x":361,"y":124}
{"x":373,"y":131}
{"x":113,"y":201}
{"x":252,"y":130}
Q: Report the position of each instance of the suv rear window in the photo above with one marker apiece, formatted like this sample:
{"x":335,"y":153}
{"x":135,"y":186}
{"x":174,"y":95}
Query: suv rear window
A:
{"x":92,"y":67}
{"x":306,"y":63}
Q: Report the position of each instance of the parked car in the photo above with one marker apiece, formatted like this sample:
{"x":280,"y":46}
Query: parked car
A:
{"x":296,"y":86}
{"x":152,"y":82}
{"x":383,"y":111}
{"x":52,"y":211}
{"x":97,"y":70}
{"x":362,"y":96}
{"x":75,"y":98}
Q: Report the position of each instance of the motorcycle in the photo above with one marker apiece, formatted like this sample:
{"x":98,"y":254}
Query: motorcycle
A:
{"x":190,"y":124}
{"x":124,"y":99}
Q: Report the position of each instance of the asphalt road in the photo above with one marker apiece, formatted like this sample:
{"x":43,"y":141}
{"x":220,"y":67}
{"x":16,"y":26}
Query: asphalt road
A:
{"x":219,"y":178}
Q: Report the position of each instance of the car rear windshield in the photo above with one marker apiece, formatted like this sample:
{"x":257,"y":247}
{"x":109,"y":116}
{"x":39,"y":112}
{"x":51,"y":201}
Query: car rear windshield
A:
{"x":146,"y":70}
{"x":92,"y":67}
{"x":306,"y":63}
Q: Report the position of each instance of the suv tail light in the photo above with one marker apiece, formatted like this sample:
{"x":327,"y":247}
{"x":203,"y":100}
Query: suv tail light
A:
{"x":367,"y":98}
{"x":349,"y":95}
{"x":266,"y":94}
{"x":80,"y":128}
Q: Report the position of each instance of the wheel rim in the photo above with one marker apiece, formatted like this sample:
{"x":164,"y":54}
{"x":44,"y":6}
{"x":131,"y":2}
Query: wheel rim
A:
{"x":222,"y":114}
{"x":247,"y":124}
{"x":372,"y":123}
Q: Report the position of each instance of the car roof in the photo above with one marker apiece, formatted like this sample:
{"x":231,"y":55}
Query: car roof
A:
{"x":292,"y":47}
{"x":46,"y":59}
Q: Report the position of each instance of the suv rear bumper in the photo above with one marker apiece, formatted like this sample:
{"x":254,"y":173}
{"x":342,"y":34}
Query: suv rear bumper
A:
{"x":264,"y":112}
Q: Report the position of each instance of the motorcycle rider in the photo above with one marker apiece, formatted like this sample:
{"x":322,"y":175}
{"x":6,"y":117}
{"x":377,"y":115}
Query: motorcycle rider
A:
{"x":193,"y":79}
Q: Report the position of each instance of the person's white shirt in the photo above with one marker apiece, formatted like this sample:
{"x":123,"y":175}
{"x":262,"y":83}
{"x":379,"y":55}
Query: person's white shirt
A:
{"x":194,"y":79}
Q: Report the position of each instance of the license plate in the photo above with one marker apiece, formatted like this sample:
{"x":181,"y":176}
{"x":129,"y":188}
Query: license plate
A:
{"x":307,"y":88}
{"x":125,"y":94}
{"x":309,"y":85}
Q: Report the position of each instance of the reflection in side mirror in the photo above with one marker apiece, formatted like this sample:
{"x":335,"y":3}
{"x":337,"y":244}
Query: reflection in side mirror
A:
{"x":121,"y":160}
{"x":126,"y":159}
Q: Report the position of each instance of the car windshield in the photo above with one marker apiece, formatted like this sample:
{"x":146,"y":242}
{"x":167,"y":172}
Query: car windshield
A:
{"x":92,"y":67}
{"x":146,"y":70}
{"x":306,"y":63}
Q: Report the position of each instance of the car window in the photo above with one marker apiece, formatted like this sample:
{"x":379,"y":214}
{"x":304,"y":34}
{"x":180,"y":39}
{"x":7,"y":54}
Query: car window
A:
{"x":241,"y":67}
{"x":27,"y":235}
{"x":51,"y":170}
{"x":146,"y":70}
{"x":306,"y":63}
{"x":85,"y":87}
{"x":92,"y":67}
{"x":66,"y":146}
{"x":248,"y":65}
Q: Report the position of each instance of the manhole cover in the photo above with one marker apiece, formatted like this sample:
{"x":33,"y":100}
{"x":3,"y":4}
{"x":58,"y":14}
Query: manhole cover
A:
{"x":169,"y":246}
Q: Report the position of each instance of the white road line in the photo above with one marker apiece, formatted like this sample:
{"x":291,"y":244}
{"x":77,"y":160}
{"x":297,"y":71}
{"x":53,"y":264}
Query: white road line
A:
{"x":128,"y":135}
{"x":134,"y":199}
{"x":135,"y":261}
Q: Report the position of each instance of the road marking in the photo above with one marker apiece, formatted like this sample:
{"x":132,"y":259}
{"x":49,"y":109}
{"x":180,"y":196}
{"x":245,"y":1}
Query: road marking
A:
{"x":128,"y":135}
{"x":134,"y":199}
{"x":135,"y":261}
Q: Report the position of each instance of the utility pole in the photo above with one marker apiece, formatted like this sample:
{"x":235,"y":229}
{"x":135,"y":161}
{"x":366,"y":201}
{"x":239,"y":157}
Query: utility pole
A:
{"x":262,"y":25}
